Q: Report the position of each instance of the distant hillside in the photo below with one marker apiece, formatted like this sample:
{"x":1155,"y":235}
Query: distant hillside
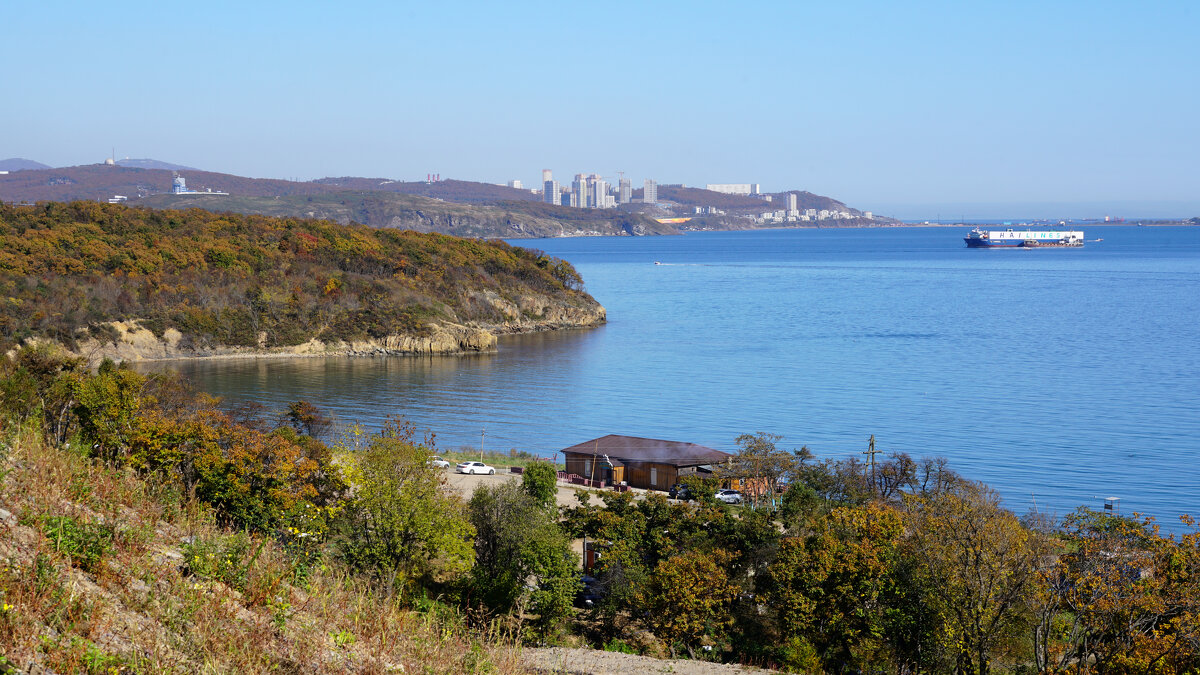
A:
{"x":101,"y":181}
{"x":808,"y":200}
{"x":743,"y":204}
{"x":18,"y":164}
{"x":410,"y":212}
{"x":152,"y":164}
{"x":467,"y":192}
{"x":506,"y":212}
{"x":205,"y":282}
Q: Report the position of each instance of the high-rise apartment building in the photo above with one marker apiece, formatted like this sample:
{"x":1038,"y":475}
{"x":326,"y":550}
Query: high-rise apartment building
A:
{"x":791,"y":201}
{"x":734,"y":188}
{"x":515,"y":184}
{"x":650,"y":192}
{"x":550,"y":191}
{"x":599,"y":192}
{"x":579,"y":187}
{"x":624,"y":191}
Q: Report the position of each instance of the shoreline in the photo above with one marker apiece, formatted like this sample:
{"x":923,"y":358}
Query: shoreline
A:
{"x":137,"y":345}
{"x":516,"y":241}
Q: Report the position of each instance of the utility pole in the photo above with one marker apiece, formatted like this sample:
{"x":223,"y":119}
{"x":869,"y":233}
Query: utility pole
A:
{"x":870,"y":452}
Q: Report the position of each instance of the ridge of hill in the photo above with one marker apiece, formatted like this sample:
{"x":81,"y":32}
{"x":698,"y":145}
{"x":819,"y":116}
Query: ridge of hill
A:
{"x":380,"y":202}
{"x":505,"y":219}
{"x":466,"y":192}
{"x":147,"y":163}
{"x":101,"y":181}
{"x":109,"y":280}
{"x":745,"y":204}
{"x":19,"y":164}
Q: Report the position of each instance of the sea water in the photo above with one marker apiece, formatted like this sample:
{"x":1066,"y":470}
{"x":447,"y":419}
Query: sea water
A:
{"x":1058,"y":376}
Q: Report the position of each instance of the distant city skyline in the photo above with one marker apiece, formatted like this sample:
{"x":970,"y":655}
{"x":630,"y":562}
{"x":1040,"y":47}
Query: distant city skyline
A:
{"x":1019,"y":109}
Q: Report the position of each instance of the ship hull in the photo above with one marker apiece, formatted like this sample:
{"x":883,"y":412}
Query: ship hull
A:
{"x":984,"y":243}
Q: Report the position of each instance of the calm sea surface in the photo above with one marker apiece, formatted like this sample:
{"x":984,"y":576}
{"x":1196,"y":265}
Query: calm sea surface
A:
{"x":1056,"y":375}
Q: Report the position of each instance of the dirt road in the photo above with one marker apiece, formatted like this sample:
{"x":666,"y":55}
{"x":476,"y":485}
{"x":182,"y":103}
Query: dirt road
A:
{"x":466,"y":484}
{"x":593,"y":662}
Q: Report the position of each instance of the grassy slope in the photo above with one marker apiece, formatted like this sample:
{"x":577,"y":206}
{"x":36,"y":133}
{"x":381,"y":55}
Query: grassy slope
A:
{"x":171,"y":592}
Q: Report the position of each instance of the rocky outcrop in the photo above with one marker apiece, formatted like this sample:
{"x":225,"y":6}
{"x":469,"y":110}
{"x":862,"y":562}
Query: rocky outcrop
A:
{"x":130,"y":341}
{"x":534,"y":312}
{"x":135,"y":343}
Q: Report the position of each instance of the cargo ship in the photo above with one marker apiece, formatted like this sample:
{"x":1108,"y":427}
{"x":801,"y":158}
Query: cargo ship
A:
{"x":1010,"y":238}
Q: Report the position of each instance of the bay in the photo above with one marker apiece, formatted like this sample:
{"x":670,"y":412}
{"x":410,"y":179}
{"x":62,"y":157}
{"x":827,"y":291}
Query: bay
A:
{"x":1057,"y":376}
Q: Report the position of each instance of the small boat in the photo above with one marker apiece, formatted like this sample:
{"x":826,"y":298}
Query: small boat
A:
{"x":657,"y":262}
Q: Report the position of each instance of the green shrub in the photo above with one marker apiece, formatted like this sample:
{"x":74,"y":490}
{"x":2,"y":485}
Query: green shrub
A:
{"x":620,"y":646}
{"x":222,"y":559}
{"x":540,"y":481}
{"x":86,"y":544}
{"x":403,"y":525}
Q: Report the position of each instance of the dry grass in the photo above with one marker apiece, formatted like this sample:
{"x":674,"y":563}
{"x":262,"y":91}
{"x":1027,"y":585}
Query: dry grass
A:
{"x":103,"y":572}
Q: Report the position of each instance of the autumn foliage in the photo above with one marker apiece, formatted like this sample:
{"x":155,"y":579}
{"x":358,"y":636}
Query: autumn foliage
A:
{"x":228,"y":279}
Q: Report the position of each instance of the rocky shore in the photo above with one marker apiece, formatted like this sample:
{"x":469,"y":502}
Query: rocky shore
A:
{"x":133,"y":342}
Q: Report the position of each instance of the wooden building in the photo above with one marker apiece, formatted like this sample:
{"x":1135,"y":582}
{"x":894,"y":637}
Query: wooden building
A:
{"x":647,"y":463}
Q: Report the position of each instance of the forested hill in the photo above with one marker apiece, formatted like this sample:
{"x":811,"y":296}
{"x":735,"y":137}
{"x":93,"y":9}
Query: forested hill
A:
{"x":205,"y":282}
{"x":100,"y":181}
{"x":507,"y":219}
{"x":463,"y":208}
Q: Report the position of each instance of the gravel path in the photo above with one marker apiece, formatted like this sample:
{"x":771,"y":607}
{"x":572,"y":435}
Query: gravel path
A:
{"x":559,"y":660}
{"x":466,"y":485}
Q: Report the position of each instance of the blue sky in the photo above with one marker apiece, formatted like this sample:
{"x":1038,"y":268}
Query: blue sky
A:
{"x":913,"y":109}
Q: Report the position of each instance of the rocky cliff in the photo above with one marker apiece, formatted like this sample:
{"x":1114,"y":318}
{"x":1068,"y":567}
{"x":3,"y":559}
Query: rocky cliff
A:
{"x":131,"y":341}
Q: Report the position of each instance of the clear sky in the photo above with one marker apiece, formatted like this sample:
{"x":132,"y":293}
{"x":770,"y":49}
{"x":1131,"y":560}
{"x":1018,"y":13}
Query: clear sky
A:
{"x":907,"y":108}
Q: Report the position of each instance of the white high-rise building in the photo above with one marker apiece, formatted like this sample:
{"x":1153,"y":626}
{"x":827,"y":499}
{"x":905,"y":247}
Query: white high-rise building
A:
{"x":547,"y":175}
{"x":791,"y":201}
{"x":650,"y":192}
{"x":599,"y":192}
{"x":734,"y":188}
{"x":515,"y":184}
{"x":550,"y":190}
{"x":579,"y":188}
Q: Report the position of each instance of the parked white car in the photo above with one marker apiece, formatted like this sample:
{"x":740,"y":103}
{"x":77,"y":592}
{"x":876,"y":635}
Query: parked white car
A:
{"x":438,"y":463}
{"x":475,"y":467}
{"x":729,"y":496}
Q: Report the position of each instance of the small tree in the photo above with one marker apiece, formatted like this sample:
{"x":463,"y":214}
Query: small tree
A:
{"x":701,"y":488}
{"x":688,"y":597}
{"x":540,"y":481}
{"x":762,"y":467}
{"x":403,"y":524}
{"x":978,"y":567}
{"x":308,"y":419}
{"x":830,"y":588}
{"x":522,"y":556}
{"x":107,"y":406}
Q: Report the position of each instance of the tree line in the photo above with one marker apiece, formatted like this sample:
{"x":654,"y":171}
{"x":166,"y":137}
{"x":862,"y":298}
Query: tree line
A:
{"x":837,"y":566}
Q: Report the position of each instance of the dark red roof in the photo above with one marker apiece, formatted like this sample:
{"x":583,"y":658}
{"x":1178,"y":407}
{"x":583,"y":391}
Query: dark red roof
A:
{"x":637,"y":449}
